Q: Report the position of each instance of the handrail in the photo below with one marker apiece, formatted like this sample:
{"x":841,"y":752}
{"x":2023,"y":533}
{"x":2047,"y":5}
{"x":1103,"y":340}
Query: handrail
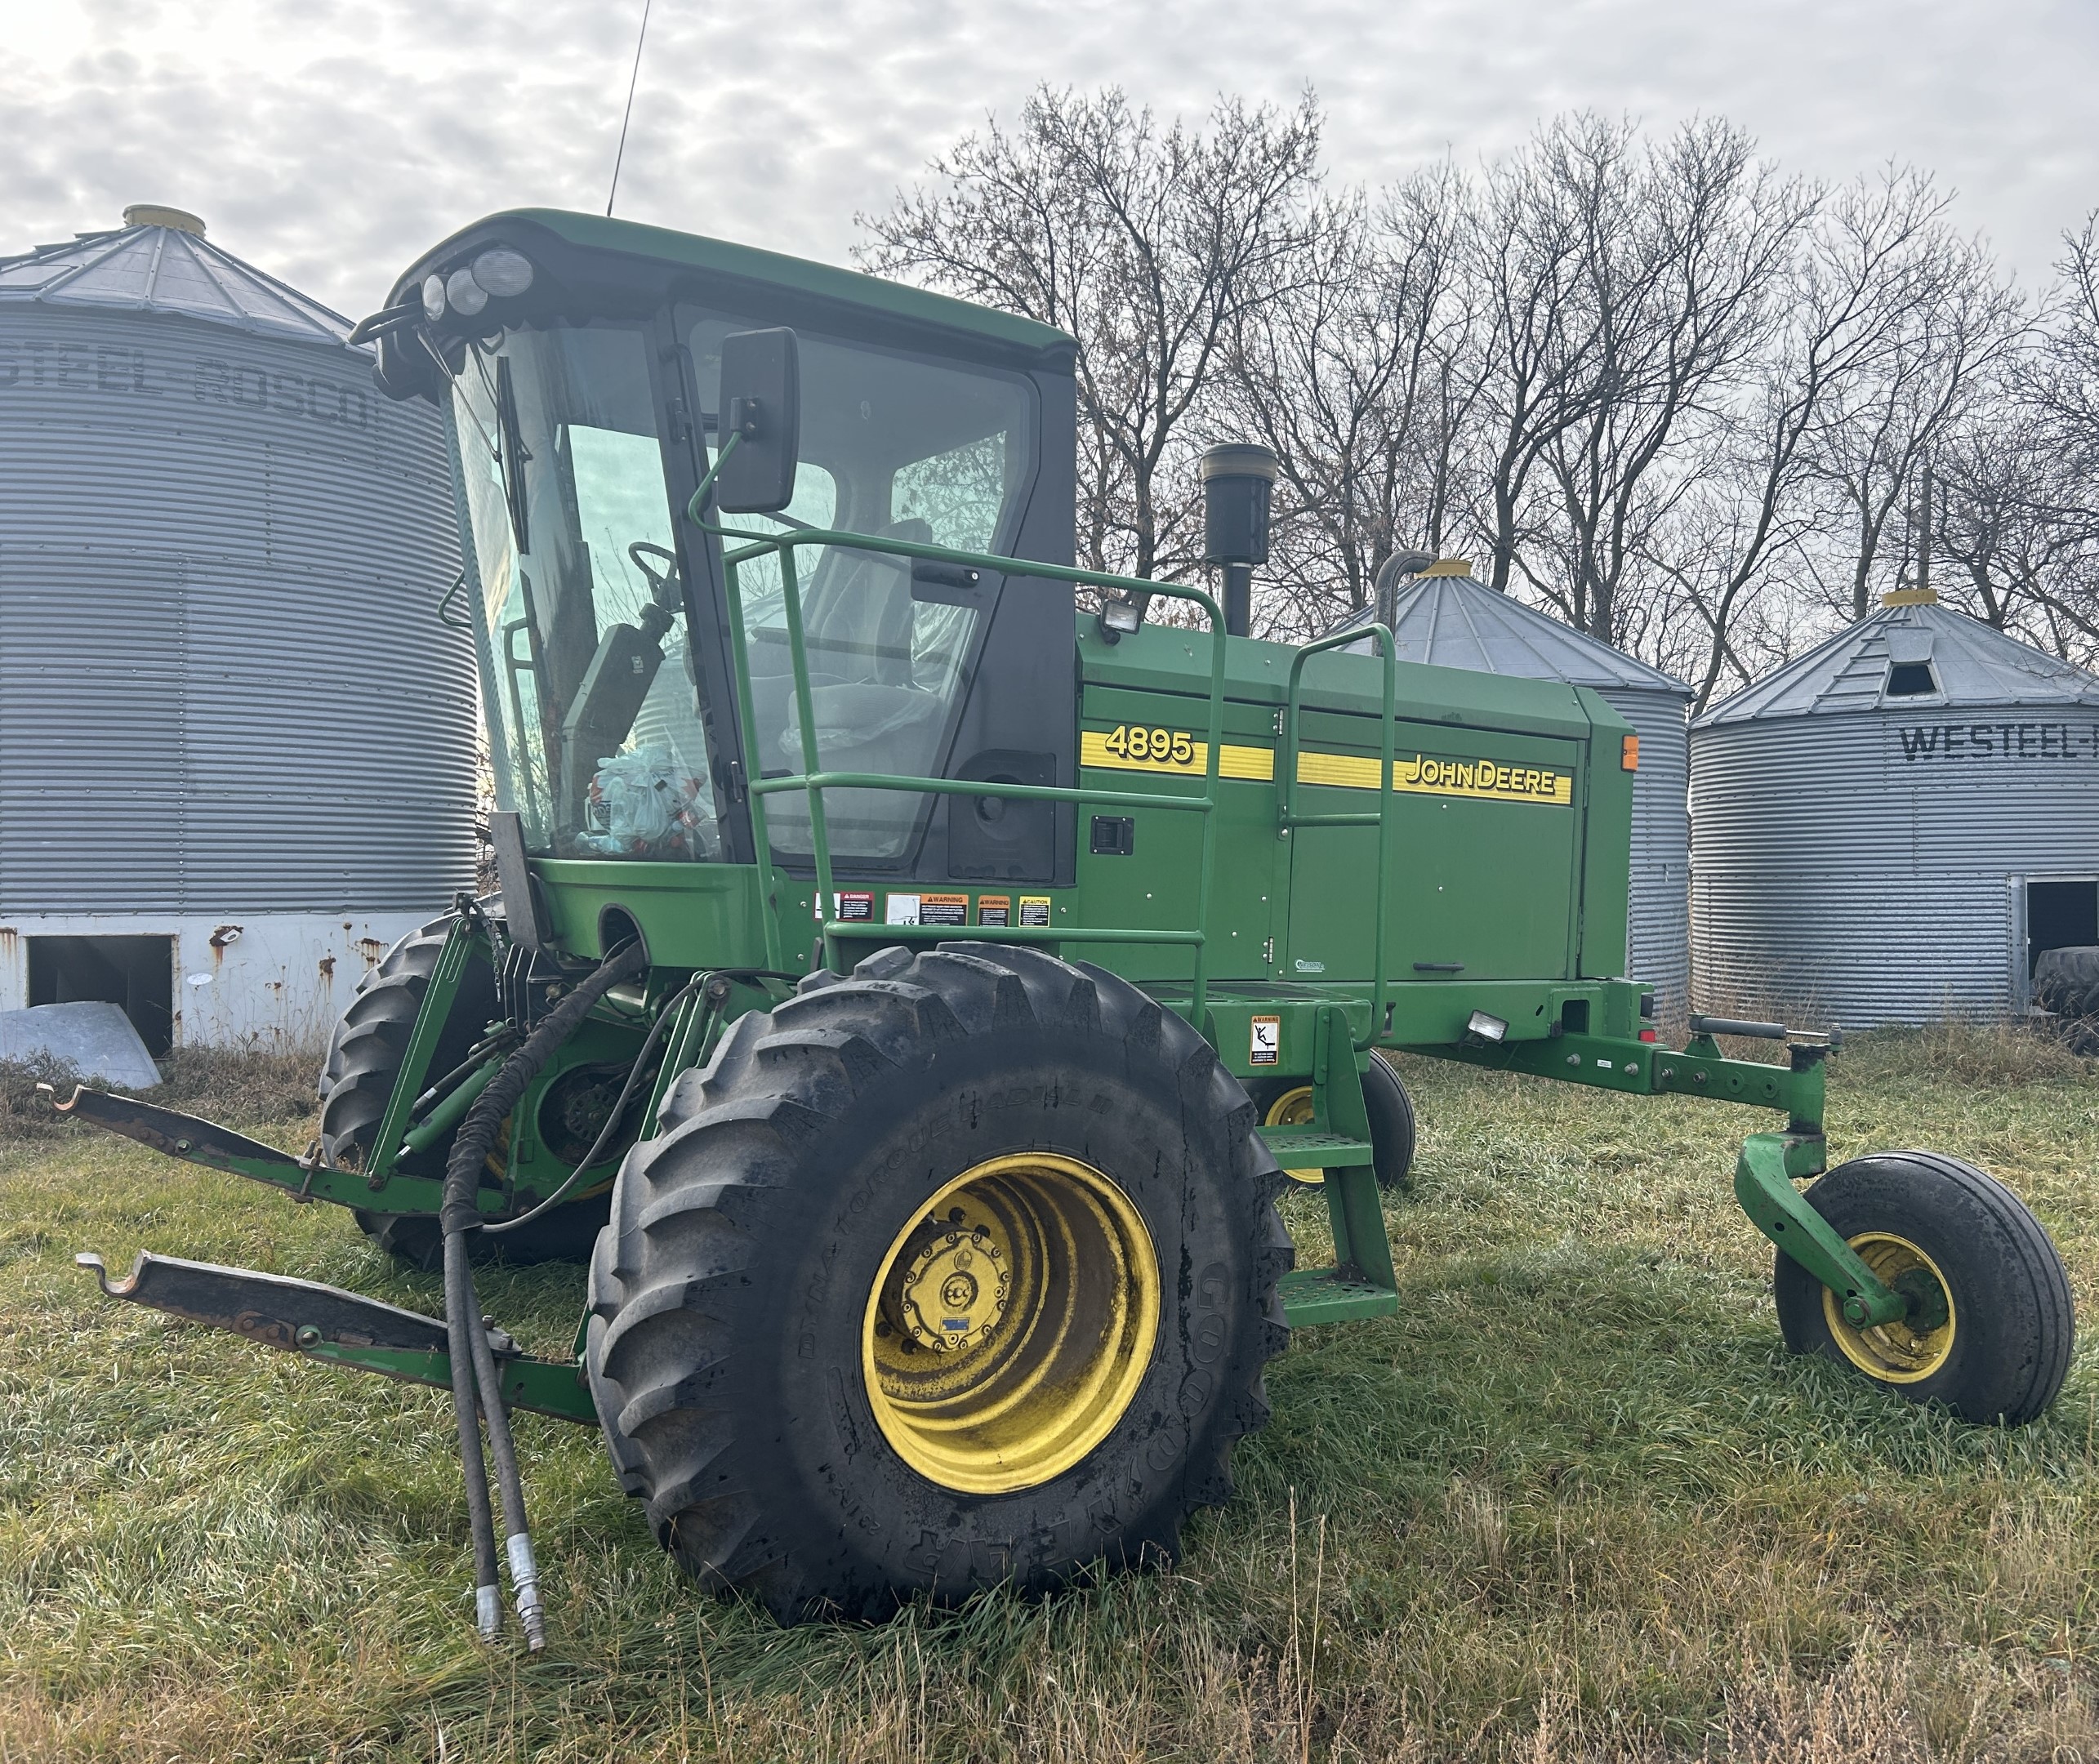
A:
{"x":813,"y":781}
{"x":1287,"y":783}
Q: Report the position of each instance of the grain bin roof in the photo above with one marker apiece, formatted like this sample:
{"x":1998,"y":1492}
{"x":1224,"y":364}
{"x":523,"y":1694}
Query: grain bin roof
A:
{"x":1973,"y":666}
{"x":1455,"y":621}
{"x":148,"y":268}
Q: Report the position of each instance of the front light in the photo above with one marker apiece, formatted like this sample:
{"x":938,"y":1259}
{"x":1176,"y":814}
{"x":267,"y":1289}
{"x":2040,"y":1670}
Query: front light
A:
{"x":433,"y":298}
{"x":502,"y":272}
{"x":467,"y":296}
{"x":1483,"y":1027}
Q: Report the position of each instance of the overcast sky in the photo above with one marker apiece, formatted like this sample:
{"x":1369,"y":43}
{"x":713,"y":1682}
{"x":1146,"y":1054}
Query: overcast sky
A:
{"x":330,"y":141}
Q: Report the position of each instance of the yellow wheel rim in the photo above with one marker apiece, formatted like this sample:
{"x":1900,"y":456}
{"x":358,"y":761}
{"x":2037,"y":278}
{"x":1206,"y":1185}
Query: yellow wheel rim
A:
{"x":1915,"y":1346}
{"x":1011,"y":1323}
{"x":1293,"y":1108}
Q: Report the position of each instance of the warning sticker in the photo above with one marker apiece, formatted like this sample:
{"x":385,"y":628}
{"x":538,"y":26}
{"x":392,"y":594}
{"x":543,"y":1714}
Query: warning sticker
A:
{"x":943,"y":909}
{"x":1035,"y":908}
{"x":1264,"y":1041}
{"x":994,"y":909}
{"x":853,"y":904}
{"x":901,"y":909}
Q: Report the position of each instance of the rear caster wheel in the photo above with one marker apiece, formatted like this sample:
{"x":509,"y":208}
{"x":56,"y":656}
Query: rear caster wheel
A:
{"x":1284,"y":1103}
{"x":1988,"y":1328}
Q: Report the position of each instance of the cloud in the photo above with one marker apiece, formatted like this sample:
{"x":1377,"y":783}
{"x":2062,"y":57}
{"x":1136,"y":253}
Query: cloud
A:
{"x":330,"y":143}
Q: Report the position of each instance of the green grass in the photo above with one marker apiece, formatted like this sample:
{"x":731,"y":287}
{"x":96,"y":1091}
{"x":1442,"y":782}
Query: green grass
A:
{"x":1574,"y":1502}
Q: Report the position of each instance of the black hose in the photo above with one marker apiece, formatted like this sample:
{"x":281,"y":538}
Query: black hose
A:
{"x":610,"y":1130}
{"x":473,"y":1362}
{"x":461,"y":1329}
{"x":458,"y":1211}
{"x":517,"y":1533}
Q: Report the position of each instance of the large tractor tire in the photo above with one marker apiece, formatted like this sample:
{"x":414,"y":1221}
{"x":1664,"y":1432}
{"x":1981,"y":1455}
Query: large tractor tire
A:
{"x":957,"y":1272}
{"x":365,"y":1053}
{"x":1989,"y":1329}
{"x":1287,"y":1102}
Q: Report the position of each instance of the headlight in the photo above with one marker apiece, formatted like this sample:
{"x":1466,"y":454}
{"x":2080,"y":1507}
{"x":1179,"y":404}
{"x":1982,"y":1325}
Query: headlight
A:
{"x":502,"y":272}
{"x":433,"y":298}
{"x":467,"y":296}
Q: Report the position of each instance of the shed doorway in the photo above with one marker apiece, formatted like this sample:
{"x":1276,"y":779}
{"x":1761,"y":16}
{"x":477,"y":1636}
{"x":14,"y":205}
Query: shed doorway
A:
{"x":137,"y":973}
{"x":2060,"y":914}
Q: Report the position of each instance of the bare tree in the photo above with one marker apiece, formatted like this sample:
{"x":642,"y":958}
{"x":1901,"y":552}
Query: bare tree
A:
{"x":1948,"y":318}
{"x":1347,"y":374}
{"x":1661,"y":388}
{"x":1524,"y":261}
{"x":1684,"y":245}
{"x":1753,"y":525}
{"x":1150,"y":246}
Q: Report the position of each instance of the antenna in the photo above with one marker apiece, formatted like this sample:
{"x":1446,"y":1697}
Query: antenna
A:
{"x":633,"y":80}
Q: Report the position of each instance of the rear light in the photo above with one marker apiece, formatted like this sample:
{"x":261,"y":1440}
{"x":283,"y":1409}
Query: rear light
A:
{"x":1648,"y":1035}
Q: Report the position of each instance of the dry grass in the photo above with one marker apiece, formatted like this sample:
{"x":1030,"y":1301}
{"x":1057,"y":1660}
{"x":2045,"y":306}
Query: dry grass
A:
{"x":239,"y":1086}
{"x":1574,"y":1503}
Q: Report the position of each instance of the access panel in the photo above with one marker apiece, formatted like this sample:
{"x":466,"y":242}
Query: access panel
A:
{"x":1484,"y":882}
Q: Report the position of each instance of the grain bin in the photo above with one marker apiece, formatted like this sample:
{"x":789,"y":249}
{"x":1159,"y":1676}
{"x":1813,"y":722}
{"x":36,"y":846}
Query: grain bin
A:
{"x":237,"y":743}
{"x":1892,"y":828}
{"x":1444,"y":617}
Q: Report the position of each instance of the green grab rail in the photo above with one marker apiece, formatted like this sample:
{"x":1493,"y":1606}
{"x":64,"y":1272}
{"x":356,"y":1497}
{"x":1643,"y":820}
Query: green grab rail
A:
{"x":1286,"y":763}
{"x":813,"y":781}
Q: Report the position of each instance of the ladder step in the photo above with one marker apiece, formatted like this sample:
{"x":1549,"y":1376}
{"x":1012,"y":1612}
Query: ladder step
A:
{"x":1327,"y":1295}
{"x":1315,"y":1148}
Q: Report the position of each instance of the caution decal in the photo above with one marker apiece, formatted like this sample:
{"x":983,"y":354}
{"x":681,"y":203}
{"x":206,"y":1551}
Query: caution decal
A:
{"x":1132,"y":747}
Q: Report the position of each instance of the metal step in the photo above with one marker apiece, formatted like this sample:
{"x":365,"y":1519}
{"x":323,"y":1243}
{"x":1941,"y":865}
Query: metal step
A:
{"x":1315,"y":1148}
{"x":1327,"y":1295}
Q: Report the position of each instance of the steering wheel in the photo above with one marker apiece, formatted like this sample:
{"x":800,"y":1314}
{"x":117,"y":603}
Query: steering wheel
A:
{"x":658,"y":580}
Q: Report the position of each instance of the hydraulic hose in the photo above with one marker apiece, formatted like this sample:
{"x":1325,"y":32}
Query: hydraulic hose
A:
{"x":459,"y":1320}
{"x":716,"y":977}
{"x":473,"y":1362}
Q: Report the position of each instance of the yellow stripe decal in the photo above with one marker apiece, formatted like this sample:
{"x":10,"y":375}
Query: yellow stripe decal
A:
{"x":1413,"y":774}
{"x":1257,"y":763}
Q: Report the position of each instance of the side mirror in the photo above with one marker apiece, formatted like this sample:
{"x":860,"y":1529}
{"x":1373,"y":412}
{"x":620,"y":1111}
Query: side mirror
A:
{"x":761,"y":406}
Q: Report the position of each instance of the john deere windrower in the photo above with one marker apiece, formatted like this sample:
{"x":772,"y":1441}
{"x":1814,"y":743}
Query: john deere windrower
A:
{"x":908,"y":975}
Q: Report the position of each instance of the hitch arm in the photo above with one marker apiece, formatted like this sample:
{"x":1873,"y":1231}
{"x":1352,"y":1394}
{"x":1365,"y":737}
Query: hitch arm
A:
{"x":341,"y":1328}
{"x":221,"y":1148}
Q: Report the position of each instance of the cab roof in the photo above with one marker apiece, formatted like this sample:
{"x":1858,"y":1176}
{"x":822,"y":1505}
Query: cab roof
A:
{"x":719,"y":258}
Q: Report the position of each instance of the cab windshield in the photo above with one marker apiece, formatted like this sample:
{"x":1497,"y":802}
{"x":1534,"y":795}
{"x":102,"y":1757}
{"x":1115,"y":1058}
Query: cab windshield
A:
{"x":598,"y":734}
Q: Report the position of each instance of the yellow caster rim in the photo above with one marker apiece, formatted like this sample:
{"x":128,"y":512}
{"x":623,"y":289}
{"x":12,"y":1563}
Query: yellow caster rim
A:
{"x":1010,"y":1323}
{"x":1913,"y":1349}
{"x":1293,"y":1108}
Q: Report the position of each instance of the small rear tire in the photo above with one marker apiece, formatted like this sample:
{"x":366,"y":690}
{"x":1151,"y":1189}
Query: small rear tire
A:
{"x":1286,"y":1102}
{"x":1989,"y":1327}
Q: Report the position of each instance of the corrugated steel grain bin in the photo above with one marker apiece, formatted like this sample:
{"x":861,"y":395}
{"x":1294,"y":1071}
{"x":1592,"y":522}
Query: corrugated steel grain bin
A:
{"x":1452,"y":621}
{"x":231,"y":722}
{"x":1892,"y":829}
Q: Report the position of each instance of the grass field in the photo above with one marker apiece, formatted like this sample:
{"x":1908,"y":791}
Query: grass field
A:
{"x":1574,"y":1502}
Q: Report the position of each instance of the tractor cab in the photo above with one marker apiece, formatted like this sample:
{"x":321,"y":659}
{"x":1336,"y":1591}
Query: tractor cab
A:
{"x":580,"y":360}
